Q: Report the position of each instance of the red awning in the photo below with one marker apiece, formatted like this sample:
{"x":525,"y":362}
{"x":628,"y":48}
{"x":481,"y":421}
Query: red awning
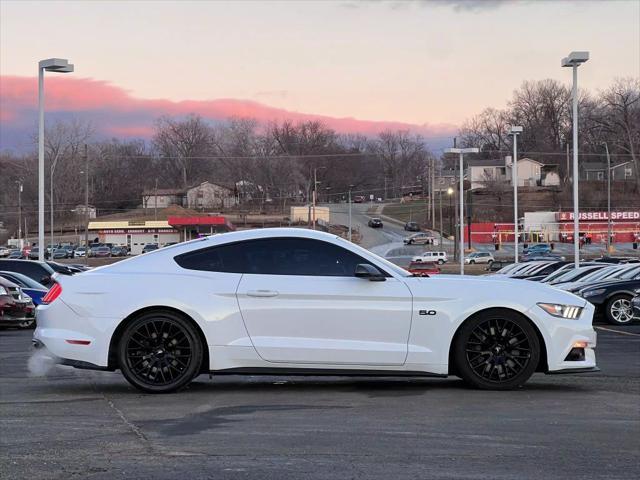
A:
{"x":191,"y":221}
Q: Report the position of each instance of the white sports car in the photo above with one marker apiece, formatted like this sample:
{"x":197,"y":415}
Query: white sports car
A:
{"x":294,"y":301}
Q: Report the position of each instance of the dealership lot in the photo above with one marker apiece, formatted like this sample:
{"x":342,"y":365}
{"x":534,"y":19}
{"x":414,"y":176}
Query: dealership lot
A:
{"x":84,"y":424}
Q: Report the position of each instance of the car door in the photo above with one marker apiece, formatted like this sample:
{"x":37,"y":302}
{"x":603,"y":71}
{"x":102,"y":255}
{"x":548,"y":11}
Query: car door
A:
{"x":302,"y":304}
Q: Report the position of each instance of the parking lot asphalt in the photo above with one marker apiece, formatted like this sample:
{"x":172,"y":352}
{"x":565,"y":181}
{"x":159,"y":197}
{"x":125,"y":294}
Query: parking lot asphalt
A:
{"x":83,"y":424}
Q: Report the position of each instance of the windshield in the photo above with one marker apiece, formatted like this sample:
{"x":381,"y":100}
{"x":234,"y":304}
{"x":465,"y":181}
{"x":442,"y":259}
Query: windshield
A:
{"x":601,"y":274}
{"x":574,"y":274}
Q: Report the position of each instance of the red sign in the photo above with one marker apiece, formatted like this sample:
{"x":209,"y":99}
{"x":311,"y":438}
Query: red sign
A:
{"x":598,"y":216}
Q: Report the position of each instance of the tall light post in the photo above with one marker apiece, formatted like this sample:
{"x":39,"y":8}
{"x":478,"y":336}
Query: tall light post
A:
{"x":315,"y":193}
{"x":59,"y":65}
{"x":515,"y":130}
{"x":20,"y":184}
{"x":350,"y":187}
{"x":574,"y":60}
{"x":461,"y":152}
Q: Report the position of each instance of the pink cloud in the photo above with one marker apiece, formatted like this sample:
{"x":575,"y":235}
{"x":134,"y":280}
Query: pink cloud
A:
{"x":115,"y":112}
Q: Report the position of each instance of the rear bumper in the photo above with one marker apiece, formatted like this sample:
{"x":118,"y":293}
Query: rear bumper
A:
{"x":72,"y":337}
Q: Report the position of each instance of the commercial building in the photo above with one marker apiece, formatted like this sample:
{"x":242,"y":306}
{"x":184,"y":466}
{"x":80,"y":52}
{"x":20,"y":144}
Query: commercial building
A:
{"x":135,"y":234}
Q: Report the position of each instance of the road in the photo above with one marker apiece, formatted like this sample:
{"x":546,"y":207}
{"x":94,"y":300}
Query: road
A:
{"x":93,"y":425}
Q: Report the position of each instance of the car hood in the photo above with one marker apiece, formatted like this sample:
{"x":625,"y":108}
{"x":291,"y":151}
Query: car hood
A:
{"x":481,"y":289}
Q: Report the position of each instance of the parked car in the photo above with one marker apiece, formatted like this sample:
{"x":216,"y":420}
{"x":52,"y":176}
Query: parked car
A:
{"x":359,"y":199}
{"x":571,"y":275}
{"x":29,"y":286}
{"x":542,"y":270}
{"x":150,"y":247}
{"x":421,"y":238}
{"x":412,"y":227}
{"x":433,"y":257}
{"x":538,"y":248}
{"x":100,"y":252}
{"x":34,"y":253}
{"x":607,"y":259}
{"x":62,"y":268}
{"x":479,"y":257}
{"x":288,"y":299}
{"x":16,"y":308}
{"x":546,"y":257}
{"x":15,"y":254}
{"x":41,"y":272}
{"x":611,"y":272}
{"x":80,"y":252}
{"x":499,"y":265}
{"x":375,"y":223}
{"x":613,"y":299}
{"x":60,"y":253}
{"x":119,"y":251}
{"x":70,"y":249}
{"x":635,"y":307}
{"x":4,"y":251}
{"x":423,"y":269}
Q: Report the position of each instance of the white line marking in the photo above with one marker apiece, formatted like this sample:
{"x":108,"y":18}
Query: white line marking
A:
{"x":619,"y":331}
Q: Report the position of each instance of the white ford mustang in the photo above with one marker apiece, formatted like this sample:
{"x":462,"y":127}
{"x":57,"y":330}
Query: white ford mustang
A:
{"x":294,"y":301}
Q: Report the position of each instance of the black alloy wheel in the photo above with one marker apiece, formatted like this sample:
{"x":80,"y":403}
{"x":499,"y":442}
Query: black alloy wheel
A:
{"x":160,"y":352}
{"x":497,"y":350}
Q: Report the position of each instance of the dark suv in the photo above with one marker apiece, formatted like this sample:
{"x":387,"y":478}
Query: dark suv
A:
{"x":375,"y":223}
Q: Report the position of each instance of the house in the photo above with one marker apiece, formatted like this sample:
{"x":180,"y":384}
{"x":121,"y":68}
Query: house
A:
{"x":204,"y":196}
{"x":162,"y":198}
{"x":531,"y":173}
{"x":482,"y":173}
{"x":598,"y":171}
{"x":85,"y":210}
{"x":210,"y":195}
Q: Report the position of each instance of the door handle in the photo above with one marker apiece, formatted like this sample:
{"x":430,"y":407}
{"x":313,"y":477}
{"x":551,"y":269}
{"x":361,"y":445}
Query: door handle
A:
{"x":262,"y":293}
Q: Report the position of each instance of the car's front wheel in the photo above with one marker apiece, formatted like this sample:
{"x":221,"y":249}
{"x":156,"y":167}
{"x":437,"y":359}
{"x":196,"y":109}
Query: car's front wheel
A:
{"x":496,"y":350}
{"x":160,"y":352}
{"x":619,"y":311}
{"x":440,"y":262}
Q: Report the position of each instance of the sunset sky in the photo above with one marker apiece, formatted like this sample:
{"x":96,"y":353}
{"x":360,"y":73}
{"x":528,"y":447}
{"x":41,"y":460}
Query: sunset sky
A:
{"x":422,"y":64}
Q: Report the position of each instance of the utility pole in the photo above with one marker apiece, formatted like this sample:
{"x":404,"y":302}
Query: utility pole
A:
{"x":350,"y":187}
{"x":315,"y":185}
{"x":86,"y":204}
{"x":433,"y":193}
{"x":19,"y":182}
{"x":440,"y":196}
{"x":155,"y":207}
{"x":608,"y":198}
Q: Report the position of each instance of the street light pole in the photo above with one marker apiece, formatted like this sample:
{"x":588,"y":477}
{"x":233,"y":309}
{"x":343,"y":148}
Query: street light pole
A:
{"x":19,"y":182}
{"x":515,"y":131}
{"x":86,"y":205}
{"x":608,"y":198}
{"x":461,"y":152}
{"x":59,"y":65}
{"x":574,"y":60}
{"x":350,"y":187}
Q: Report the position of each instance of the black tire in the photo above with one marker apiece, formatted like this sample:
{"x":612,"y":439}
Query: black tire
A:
{"x":618,"y":310}
{"x":472,"y":262}
{"x":440,"y":262}
{"x":160,"y":352}
{"x":485,"y":354}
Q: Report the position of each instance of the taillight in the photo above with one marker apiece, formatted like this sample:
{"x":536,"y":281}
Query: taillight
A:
{"x":53,"y":293}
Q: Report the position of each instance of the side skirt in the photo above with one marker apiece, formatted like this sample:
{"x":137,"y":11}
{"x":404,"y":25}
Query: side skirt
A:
{"x":324,"y":372}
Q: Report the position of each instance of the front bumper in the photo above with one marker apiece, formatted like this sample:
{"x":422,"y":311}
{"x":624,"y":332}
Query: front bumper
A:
{"x":560,"y":336}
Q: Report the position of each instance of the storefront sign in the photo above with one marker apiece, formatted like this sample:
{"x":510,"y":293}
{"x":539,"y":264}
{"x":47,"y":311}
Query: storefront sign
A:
{"x":599,"y":216}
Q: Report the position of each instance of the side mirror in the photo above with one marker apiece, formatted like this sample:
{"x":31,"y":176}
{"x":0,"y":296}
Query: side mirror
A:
{"x":366,"y":270}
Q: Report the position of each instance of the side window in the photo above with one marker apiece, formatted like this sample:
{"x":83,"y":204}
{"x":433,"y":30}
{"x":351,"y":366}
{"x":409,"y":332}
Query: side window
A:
{"x":225,"y":258}
{"x":299,"y":256}
{"x":274,"y":256}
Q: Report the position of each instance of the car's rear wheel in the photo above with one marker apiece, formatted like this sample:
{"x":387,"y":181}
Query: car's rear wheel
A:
{"x":496,"y":350}
{"x":440,"y":262}
{"x":160,"y":352}
{"x":619,"y":311}
{"x":472,"y":262}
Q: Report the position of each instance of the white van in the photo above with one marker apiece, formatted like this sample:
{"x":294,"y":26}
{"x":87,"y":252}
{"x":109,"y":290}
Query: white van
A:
{"x":435,"y":257}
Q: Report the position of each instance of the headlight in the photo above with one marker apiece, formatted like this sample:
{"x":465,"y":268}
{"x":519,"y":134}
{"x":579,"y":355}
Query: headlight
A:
{"x":569,"y":312}
{"x":592,"y":293}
